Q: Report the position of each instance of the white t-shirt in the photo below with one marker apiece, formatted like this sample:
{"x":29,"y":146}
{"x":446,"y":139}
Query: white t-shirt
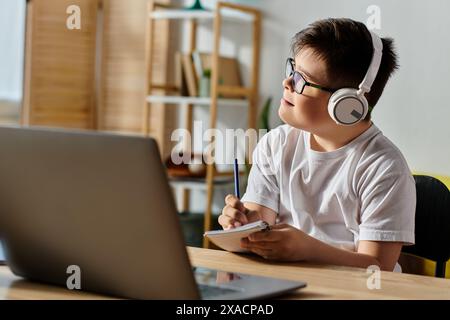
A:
{"x":361,"y":191}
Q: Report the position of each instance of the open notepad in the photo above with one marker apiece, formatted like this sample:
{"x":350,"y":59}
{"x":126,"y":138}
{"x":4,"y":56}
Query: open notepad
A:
{"x":230,"y":239}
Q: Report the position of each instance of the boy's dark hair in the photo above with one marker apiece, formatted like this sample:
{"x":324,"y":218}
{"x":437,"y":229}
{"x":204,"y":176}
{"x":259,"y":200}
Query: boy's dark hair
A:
{"x":346,"y":48}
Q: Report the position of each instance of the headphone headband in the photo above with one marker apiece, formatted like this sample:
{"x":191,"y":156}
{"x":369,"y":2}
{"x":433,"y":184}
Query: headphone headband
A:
{"x":372,"y":71}
{"x":348,"y":106}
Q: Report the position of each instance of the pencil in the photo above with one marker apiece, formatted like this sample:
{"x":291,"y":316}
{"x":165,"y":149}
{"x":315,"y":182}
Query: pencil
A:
{"x":236,"y":179}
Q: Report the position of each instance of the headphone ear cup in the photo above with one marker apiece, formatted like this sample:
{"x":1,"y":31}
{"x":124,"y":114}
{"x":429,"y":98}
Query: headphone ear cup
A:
{"x":345,"y":107}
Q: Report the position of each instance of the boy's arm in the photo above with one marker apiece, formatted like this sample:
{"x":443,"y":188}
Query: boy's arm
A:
{"x":383,"y":254}
{"x":287,"y":243}
{"x":386,"y":253}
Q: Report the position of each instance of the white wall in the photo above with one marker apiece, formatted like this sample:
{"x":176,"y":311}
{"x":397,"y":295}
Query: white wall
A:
{"x":12,"y":28}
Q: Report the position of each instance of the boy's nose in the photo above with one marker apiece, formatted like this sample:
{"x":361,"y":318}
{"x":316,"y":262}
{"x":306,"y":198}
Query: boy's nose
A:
{"x":287,"y":84}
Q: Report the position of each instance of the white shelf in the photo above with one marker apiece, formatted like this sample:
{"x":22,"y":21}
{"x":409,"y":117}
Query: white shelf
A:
{"x":226,"y":13}
{"x":200,"y":183}
{"x":196,"y":100}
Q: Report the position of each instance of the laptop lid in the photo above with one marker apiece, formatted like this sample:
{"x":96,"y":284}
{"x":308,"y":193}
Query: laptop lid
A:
{"x":96,"y":201}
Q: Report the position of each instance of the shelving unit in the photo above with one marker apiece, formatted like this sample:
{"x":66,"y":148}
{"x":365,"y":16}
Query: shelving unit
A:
{"x":196,"y":101}
{"x":223,"y":12}
{"x":200,"y":183}
{"x":226,"y":13}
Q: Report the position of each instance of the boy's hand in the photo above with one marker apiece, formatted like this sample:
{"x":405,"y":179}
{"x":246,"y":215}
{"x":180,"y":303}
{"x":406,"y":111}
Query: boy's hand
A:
{"x":234,"y":214}
{"x":283,"y":242}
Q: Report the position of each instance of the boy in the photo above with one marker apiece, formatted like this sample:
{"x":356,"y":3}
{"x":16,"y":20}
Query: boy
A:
{"x":334,"y":189}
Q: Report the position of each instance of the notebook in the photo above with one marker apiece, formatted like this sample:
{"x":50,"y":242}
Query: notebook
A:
{"x":230,"y":240}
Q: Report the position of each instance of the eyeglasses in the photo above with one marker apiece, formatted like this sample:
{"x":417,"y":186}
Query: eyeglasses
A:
{"x":298,"y":82}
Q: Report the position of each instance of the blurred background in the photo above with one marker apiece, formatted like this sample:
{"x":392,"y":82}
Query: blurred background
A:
{"x":100,"y":77}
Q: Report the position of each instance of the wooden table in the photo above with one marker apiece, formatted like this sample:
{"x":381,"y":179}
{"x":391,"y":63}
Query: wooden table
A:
{"x":324,"y":282}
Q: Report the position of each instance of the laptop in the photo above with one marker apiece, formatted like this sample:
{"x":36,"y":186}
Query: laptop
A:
{"x":101,"y":204}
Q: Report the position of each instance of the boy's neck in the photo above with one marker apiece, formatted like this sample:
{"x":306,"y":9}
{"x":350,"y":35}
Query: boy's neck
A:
{"x":335,"y":139}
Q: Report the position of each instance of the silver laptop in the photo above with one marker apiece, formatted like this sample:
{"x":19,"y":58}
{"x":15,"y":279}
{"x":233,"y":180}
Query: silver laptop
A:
{"x":100,"y":205}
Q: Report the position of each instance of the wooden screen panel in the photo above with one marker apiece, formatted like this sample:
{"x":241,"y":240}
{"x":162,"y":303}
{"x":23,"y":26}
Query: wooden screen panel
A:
{"x":96,"y":77}
{"x":59,"y":85}
{"x":124,"y":65}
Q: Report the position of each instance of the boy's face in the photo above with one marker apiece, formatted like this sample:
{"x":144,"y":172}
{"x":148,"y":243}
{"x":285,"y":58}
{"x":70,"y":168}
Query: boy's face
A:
{"x":307,"y":111}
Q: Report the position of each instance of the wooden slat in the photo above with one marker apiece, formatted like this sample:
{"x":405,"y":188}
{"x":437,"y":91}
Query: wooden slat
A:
{"x":254,"y":95}
{"x":162,"y":119}
{"x":234,"y":90}
{"x":122,"y":88}
{"x":210,"y":169}
{"x":240,"y":7}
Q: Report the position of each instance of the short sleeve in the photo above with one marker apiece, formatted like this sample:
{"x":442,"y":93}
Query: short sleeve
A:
{"x":388,"y":204}
{"x":263,"y":183}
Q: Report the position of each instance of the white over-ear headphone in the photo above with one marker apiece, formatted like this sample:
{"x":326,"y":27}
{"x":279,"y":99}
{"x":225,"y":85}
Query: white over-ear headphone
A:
{"x":348,"y":106}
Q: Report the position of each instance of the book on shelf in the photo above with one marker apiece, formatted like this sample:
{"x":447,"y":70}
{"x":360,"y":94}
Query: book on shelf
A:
{"x":189,"y":75}
{"x":229,"y":74}
{"x":199,"y":64}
